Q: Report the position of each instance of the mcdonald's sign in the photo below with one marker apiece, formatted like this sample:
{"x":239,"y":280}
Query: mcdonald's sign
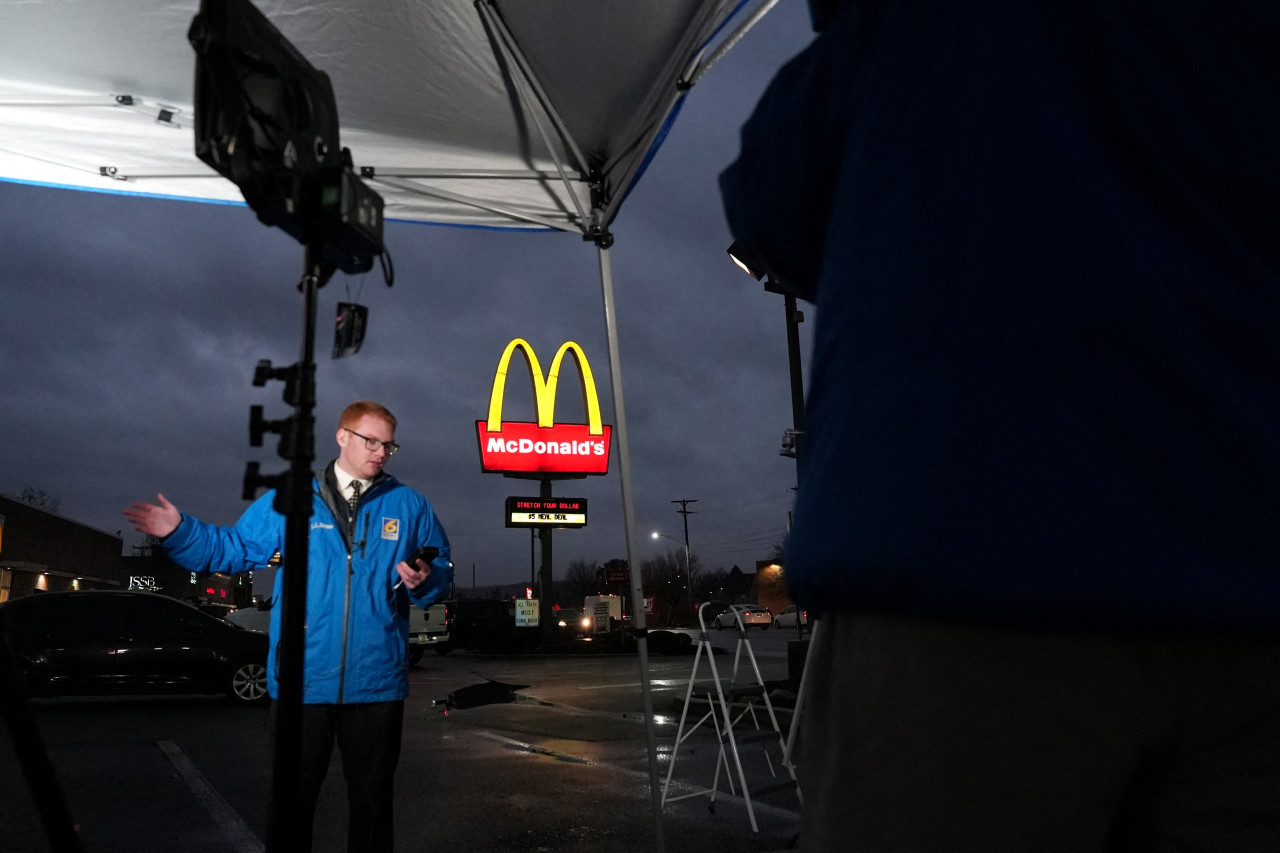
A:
{"x":545,"y":447}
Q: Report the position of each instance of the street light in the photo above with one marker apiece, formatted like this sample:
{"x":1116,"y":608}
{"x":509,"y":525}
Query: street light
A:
{"x":684,"y":545}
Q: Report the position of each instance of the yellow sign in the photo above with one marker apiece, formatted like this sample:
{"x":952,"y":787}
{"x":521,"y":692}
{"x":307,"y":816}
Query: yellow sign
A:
{"x":544,"y":390}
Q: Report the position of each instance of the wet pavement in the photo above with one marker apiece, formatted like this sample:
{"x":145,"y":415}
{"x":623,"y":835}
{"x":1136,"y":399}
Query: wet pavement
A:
{"x":507,"y":770}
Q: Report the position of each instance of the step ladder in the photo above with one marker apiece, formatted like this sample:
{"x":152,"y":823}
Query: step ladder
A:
{"x":732,"y":708}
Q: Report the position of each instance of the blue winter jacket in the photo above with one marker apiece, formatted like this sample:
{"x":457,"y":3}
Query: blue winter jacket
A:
{"x":357,"y":618}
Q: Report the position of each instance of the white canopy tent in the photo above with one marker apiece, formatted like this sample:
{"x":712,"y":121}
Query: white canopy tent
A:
{"x":502,"y":113}
{"x":520,"y":114}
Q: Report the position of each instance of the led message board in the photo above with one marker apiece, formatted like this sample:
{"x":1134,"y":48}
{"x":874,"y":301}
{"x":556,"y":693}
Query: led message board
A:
{"x":546,"y":512}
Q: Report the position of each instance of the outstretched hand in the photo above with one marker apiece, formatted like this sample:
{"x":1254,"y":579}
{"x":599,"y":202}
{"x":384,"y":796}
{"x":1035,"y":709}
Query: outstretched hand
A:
{"x":154,"y":520}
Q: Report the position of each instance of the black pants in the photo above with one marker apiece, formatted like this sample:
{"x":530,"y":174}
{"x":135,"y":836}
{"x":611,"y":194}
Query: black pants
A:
{"x":368,"y":738}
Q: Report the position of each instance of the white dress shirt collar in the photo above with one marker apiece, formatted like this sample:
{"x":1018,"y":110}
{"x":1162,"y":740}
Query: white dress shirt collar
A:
{"x":345,"y":480}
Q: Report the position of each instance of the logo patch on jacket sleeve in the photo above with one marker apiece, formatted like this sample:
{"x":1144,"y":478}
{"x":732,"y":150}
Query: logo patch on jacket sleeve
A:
{"x":391,"y":528}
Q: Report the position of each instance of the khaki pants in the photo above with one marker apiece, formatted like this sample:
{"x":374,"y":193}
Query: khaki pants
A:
{"x":928,"y":737}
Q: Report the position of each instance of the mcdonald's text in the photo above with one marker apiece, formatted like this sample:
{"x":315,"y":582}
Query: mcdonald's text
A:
{"x":528,"y":448}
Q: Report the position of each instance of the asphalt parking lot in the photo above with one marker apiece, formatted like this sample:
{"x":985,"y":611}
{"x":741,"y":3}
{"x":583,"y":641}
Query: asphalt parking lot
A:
{"x":559,"y":764}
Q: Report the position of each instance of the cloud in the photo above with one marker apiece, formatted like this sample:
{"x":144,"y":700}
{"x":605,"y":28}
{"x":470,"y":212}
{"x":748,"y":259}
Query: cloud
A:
{"x":130,"y":328}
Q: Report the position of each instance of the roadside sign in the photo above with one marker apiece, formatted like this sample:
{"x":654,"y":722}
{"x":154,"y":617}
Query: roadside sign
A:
{"x":526,"y":612}
{"x":546,"y":512}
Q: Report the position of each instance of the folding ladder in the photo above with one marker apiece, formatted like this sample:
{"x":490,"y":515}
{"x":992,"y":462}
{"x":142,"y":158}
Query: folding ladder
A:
{"x":747,"y":687}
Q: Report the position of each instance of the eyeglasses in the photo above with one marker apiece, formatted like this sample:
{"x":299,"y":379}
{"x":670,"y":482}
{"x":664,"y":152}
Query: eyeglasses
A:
{"x":374,"y":444}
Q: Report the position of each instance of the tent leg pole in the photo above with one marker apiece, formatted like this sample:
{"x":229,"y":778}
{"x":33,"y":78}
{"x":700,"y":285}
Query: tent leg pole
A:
{"x":633,"y":550}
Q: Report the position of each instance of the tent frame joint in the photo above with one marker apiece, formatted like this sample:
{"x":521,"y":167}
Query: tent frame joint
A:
{"x":600,"y":235}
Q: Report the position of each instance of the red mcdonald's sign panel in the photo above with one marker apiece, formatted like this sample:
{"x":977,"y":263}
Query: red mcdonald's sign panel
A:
{"x":544,"y":447}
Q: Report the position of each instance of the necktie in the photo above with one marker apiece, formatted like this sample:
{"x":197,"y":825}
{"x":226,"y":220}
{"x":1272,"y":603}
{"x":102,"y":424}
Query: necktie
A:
{"x":355,"y":497}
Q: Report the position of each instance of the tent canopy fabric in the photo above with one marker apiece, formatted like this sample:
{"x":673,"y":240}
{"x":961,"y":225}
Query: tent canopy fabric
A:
{"x":495,"y":113}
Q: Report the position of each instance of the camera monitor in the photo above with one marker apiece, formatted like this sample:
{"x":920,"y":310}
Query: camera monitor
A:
{"x":266,"y":119}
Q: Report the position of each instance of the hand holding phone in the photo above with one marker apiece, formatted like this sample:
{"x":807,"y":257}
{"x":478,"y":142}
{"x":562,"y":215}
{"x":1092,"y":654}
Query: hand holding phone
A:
{"x":426,"y":554}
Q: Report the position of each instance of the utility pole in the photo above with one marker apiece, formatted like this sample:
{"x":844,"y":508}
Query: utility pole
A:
{"x":686,"y":512}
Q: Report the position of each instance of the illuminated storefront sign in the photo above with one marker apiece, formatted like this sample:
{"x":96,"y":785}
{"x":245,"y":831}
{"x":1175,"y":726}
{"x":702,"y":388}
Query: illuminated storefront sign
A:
{"x":546,"y":512}
{"x":544,"y":447}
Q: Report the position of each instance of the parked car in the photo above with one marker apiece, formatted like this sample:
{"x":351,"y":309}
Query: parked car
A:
{"x":219,"y":610}
{"x":109,"y":642}
{"x":253,"y":618}
{"x":478,"y":623}
{"x":427,"y":629}
{"x":751,"y":614}
{"x":788,"y":617}
{"x":710,"y":610}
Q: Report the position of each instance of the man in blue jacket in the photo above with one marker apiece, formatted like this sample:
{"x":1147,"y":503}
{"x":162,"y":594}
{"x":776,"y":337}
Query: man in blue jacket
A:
{"x":365,"y":524}
{"x":1039,"y":490}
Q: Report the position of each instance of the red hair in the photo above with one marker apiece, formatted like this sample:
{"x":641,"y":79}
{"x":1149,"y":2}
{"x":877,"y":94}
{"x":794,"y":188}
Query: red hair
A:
{"x":353,"y":413}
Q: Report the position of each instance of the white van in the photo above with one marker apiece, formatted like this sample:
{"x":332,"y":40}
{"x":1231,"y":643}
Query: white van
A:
{"x":601,"y":613}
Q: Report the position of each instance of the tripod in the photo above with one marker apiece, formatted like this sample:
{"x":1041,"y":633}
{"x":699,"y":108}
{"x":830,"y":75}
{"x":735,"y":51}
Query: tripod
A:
{"x":46,"y":792}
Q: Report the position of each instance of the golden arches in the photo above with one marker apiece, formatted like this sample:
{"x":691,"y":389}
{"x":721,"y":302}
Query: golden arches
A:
{"x":544,"y":389}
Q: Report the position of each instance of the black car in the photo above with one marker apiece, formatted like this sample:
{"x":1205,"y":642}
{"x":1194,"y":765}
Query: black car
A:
{"x":487,"y":624}
{"x":108,"y":642}
{"x":568,"y":622}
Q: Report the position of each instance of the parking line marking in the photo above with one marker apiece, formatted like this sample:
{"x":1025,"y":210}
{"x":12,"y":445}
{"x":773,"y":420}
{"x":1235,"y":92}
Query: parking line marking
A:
{"x":233,"y":827}
{"x":780,"y":812}
{"x":525,"y":746}
{"x":661,"y":684}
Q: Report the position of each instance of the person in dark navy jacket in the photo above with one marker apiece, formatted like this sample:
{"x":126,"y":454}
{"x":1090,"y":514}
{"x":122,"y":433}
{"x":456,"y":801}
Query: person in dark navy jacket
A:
{"x":365,"y":524}
{"x":1039,"y":486}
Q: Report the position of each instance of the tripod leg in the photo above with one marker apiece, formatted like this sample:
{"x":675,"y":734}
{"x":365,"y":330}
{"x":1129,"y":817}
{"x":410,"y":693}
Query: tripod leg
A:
{"x":46,"y":792}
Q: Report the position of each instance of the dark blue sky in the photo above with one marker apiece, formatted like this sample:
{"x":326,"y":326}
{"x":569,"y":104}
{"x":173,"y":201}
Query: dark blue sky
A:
{"x":130,"y":327}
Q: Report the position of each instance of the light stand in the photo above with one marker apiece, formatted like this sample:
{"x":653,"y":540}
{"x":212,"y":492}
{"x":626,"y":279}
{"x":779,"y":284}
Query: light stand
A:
{"x":266,"y":119}
{"x":749,"y":263}
{"x":293,"y":500}
{"x":793,"y":439}
{"x":794,"y":318}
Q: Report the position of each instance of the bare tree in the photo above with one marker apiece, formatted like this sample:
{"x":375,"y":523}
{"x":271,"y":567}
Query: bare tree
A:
{"x":616,"y":563}
{"x":668,"y":578}
{"x":580,"y":580}
{"x":709,"y":586}
{"x":40,"y":499}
